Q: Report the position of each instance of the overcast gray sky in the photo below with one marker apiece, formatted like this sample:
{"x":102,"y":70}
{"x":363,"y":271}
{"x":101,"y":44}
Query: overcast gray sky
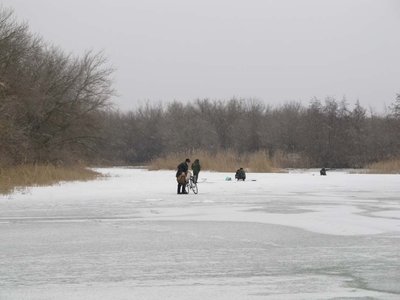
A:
{"x":272,"y":50}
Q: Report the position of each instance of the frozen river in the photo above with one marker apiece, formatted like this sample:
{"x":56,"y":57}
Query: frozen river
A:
{"x":276,"y":236}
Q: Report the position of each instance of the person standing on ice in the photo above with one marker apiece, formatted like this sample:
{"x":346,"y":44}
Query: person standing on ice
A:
{"x":196,"y":169}
{"x":181,"y":176}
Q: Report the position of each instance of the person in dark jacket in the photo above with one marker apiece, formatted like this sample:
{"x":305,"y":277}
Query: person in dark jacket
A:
{"x":240,"y":174}
{"x":181,"y":176}
{"x":322,"y":172}
{"x":196,"y":169}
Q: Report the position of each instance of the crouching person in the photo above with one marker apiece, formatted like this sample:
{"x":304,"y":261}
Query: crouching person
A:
{"x":240,"y":174}
{"x":181,"y":174}
{"x":322,"y":172}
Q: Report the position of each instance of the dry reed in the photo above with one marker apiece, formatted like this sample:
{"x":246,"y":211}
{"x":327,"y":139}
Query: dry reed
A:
{"x":39,"y":175}
{"x":290,"y":160}
{"x":391,"y":166}
{"x":222,"y":161}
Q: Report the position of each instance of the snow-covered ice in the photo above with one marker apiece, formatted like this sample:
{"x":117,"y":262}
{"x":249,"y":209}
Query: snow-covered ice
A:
{"x":293,"y":235}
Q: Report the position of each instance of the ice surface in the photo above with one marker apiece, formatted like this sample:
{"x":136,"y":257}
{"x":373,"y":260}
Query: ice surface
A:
{"x":276,"y":236}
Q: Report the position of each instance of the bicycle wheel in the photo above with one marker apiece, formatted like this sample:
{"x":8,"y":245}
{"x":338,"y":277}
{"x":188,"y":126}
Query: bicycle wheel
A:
{"x":194,"y":188}
{"x":188,"y":187}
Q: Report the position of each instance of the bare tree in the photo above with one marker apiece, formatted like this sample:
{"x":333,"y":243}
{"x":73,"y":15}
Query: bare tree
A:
{"x":49,"y":101}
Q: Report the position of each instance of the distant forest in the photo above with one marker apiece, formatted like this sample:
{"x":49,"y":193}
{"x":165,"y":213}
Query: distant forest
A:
{"x":329,"y":134}
{"x":55,"y":108}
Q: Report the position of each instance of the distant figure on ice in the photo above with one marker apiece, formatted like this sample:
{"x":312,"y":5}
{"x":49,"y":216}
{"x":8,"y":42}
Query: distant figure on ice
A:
{"x":196,"y":169}
{"x":322,"y":172}
{"x":240,"y":174}
{"x":181,"y":176}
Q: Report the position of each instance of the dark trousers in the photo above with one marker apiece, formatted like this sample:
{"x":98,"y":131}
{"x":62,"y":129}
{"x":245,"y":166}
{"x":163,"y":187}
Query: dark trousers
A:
{"x":181,"y":188}
{"x":195,"y":177}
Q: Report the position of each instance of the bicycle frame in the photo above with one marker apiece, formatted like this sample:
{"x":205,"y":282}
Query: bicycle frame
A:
{"x":191,"y":185}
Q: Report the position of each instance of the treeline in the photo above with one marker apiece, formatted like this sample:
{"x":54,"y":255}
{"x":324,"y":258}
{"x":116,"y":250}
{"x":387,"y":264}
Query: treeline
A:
{"x":54,"y":108}
{"x":329,"y":134}
{"x":50,"y":102}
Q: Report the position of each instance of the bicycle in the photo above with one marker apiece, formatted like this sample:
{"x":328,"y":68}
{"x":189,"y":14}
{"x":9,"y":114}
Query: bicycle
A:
{"x":192,"y":185}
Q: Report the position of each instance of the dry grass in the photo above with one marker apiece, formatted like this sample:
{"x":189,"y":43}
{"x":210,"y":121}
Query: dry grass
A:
{"x":292,"y":160}
{"x":223,"y":161}
{"x":40,"y":175}
{"x":391,"y":166}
